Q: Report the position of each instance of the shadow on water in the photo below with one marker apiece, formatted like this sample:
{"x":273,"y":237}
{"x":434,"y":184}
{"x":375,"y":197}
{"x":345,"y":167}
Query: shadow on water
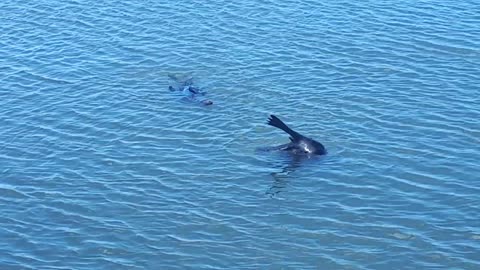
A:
{"x":281,"y":178}
{"x":291,"y":164}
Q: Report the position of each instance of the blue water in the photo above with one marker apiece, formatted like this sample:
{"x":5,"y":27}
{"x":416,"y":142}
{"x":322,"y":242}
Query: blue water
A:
{"x":101,"y":167}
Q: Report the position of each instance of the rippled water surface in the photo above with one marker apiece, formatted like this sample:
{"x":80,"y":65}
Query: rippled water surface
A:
{"x":101,"y":167}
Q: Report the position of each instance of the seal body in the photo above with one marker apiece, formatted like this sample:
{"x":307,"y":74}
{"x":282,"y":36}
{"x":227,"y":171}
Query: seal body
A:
{"x":299,"y":144}
{"x":189,"y":91}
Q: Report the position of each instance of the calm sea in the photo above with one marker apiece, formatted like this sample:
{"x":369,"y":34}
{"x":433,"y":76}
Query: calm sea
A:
{"x":101,"y":167}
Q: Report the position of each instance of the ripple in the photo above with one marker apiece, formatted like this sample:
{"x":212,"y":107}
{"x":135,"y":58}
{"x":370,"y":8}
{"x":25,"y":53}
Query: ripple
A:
{"x":101,"y":167}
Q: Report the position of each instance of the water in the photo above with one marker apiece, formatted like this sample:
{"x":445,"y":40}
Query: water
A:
{"x":103,"y":168}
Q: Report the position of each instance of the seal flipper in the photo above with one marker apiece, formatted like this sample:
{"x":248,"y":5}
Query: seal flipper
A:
{"x":276,"y":122}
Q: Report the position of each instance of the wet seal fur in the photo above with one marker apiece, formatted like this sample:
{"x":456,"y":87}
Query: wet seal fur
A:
{"x":299,"y":144}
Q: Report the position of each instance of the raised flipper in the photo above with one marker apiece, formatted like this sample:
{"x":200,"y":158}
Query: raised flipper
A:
{"x":276,"y":122}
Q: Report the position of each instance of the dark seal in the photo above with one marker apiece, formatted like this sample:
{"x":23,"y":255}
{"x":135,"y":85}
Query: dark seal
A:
{"x":189,"y":90}
{"x":299,"y":144}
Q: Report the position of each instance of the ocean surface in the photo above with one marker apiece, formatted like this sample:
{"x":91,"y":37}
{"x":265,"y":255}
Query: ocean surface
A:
{"x":101,"y":167}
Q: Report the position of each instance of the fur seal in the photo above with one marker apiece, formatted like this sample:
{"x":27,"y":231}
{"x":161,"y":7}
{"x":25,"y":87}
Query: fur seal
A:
{"x":190,"y":91}
{"x":299,"y":144}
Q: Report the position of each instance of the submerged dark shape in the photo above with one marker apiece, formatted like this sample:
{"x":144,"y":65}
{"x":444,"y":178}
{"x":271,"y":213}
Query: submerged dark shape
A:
{"x":186,"y":87}
{"x":299,"y":144}
{"x":282,"y":178}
